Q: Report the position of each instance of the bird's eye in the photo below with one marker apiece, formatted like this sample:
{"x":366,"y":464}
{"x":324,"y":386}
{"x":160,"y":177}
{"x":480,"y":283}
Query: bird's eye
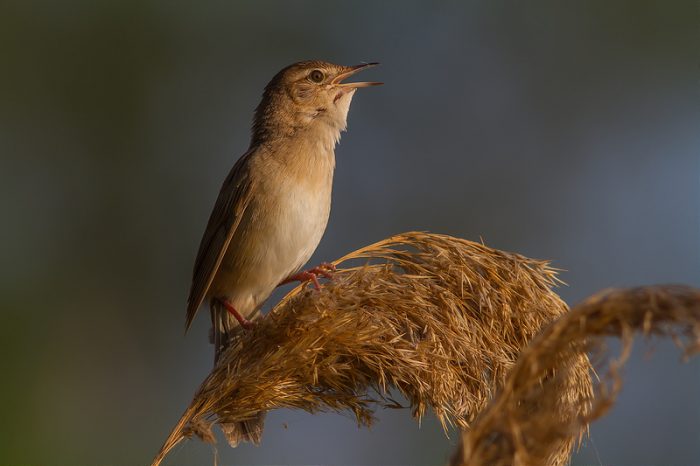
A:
{"x":316,"y":76}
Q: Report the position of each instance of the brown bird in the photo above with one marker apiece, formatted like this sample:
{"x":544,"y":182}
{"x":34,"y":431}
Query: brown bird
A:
{"x":273,"y":207}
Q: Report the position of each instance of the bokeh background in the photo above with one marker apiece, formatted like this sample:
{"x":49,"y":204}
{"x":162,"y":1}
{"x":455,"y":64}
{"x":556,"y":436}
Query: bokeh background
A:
{"x":560,"y":130}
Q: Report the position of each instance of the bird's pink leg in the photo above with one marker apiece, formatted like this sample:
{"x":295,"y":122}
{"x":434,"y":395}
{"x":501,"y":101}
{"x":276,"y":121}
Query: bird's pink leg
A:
{"x":245,"y":323}
{"x":325,"y":269}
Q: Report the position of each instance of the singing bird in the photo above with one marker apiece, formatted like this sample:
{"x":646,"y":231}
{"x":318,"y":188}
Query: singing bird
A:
{"x":274,"y":204}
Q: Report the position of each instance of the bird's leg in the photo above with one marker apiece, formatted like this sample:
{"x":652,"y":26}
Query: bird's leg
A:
{"x":245,"y":323}
{"x":325,"y":269}
{"x":304,"y":276}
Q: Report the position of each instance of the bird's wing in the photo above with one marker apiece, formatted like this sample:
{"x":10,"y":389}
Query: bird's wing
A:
{"x":232,"y":202}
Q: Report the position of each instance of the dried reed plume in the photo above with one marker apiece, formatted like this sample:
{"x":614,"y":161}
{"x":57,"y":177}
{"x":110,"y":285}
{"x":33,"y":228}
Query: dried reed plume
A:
{"x":517,"y":427}
{"x":440,"y":319}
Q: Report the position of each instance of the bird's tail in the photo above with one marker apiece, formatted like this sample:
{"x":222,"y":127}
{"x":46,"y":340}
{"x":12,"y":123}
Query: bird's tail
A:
{"x":223,"y":325}
{"x":246,"y":431}
{"x":225,"y":328}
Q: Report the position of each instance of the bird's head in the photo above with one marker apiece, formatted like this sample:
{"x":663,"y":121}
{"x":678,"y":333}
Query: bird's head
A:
{"x":307,"y":94}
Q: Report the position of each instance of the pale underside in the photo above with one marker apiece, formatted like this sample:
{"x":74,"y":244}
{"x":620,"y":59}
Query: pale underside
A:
{"x":279,"y":231}
{"x":269,"y":218}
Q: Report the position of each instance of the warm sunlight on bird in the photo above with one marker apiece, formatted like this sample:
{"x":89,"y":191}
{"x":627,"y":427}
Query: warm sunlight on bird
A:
{"x":274,"y":205}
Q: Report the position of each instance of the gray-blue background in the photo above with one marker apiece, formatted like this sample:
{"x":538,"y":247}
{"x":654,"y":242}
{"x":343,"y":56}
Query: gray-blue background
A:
{"x":560,"y":130}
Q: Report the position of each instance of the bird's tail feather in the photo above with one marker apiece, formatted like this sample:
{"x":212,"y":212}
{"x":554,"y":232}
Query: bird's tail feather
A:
{"x":225,"y":328}
{"x":246,"y":431}
{"x":222,"y":327}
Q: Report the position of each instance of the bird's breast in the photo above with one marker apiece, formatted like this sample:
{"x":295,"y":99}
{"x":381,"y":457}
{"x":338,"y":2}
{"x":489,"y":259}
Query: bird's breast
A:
{"x":280,"y":230}
{"x":302,"y":209}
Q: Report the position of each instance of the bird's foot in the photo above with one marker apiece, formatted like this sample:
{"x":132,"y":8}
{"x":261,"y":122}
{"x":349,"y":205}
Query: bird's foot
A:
{"x":245,"y":323}
{"x":324,"y":269}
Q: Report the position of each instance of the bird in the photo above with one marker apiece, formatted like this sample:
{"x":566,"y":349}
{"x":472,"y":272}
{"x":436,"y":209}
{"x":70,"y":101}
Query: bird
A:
{"x":274,"y":205}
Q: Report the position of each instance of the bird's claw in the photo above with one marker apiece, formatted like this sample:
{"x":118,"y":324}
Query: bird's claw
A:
{"x":324,"y":269}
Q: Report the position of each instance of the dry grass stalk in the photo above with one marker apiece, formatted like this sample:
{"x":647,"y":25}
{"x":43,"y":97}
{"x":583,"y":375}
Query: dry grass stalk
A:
{"x":517,"y":427}
{"x":440,"y":319}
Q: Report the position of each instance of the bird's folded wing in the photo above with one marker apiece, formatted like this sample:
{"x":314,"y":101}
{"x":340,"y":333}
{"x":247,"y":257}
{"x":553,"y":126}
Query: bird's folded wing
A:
{"x":232,"y":202}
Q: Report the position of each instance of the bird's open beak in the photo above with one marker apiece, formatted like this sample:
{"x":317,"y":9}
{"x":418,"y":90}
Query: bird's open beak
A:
{"x":349,"y":72}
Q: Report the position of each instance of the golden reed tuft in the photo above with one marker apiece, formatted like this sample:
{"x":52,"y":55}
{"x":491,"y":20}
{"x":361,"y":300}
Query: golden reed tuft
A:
{"x":517,"y":427}
{"x":440,"y":319}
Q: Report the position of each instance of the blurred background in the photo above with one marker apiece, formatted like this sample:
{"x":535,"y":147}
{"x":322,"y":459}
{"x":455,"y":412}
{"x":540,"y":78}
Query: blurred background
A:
{"x":560,"y":130}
